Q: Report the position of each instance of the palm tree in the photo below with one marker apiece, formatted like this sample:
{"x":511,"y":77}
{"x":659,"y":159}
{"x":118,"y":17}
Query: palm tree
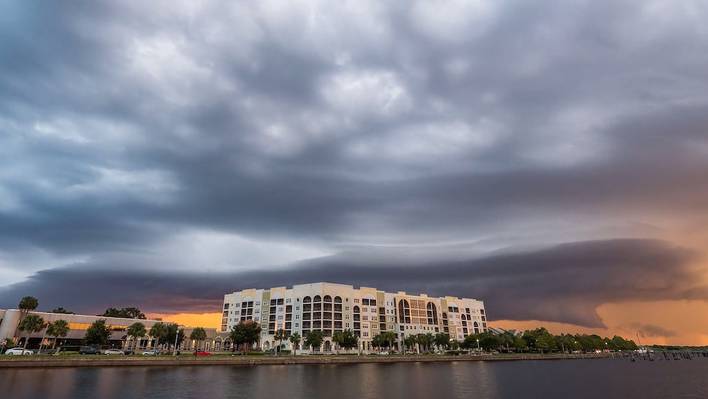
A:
{"x":31,"y":324}
{"x":442,"y":340}
{"x":157,"y":331}
{"x":280,"y":336}
{"x":198,"y":334}
{"x":295,"y":340}
{"x":410,"y":341}
{"x":26,"y":305}
{"x":388,"y":337}
{"x":59,"y":328}
{"x":136,"y":331}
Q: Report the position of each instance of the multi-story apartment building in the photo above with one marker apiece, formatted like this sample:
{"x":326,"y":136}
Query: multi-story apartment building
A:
{"x":336,"y":307}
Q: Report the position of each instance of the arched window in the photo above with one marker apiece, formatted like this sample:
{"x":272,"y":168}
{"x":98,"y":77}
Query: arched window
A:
{"x":356,"y":309}
{"x":318,"y":298}
{"x":327,"y":298}
{"x":475,"y":324}
{"x":306,"y":299}
{"x":432,"y":313}
{"x":404,"y":311}
{"x":337,"y":299}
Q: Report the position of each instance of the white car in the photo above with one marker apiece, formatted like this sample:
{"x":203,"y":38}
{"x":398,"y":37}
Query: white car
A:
{"x":18,"y":352}
{"x":151,"y":353}
{"x":113,"y":352}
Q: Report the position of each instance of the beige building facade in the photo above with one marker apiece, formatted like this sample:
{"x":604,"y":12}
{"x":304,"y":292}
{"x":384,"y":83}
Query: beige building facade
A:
{"x":78,"y":324}
{"x":366,"y":311}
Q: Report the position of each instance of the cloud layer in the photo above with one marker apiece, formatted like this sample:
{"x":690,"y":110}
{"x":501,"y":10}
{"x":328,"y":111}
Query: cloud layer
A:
{"x":554,"y":155}
{"x":564,"y":283}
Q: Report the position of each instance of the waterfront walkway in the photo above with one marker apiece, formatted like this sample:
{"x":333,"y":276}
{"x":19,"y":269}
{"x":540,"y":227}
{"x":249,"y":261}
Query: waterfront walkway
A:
{"x":250,"y":360}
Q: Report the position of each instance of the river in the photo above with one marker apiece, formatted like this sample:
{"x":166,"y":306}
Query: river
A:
{"x":604,"y":378}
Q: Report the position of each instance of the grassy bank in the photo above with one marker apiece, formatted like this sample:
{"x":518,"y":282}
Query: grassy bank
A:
{"x":229,"y":360}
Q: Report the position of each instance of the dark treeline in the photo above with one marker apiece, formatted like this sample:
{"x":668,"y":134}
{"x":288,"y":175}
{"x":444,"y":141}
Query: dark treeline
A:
{"x":538,"y":340}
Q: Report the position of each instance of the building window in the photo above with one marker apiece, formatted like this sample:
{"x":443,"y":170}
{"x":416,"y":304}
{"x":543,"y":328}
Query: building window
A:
{"x":432,"y":313}
{"x":404,"y":311}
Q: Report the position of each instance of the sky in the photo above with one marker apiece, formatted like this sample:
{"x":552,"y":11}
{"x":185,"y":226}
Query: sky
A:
{"x":549,"y":158}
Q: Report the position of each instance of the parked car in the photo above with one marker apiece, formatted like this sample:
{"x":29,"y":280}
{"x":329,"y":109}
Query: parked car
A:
{"x":202,"y":353}
{"x":151,"y":352}
{"x":18,"y":352}
{"x":384,"y":353}
{"x":89,"y":350}
{"x":113,"y":352}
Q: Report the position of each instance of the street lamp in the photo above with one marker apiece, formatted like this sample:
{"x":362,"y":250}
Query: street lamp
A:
{"x":174,"y":350}
{"x":478,"y":345}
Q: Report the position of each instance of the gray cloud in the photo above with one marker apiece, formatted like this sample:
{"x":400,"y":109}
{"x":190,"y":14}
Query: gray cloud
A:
{"x":493,"y":129}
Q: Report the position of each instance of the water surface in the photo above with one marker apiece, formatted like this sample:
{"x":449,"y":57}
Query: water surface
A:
{"x":515,"y":379}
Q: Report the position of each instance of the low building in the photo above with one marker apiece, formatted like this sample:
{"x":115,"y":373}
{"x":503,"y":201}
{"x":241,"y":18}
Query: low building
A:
{"x":78,"y":324}
{"x":366,"y":311}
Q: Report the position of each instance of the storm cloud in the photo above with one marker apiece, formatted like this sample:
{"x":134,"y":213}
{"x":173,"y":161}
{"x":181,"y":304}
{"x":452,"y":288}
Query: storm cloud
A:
{"x":544,"y":157}
{"x":563,"y":283}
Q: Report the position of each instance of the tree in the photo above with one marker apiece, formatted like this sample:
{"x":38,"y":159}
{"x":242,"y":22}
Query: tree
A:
{"x":245,"y":334}
{"x":540,"y":339}
{"x":61,"y":311}
{"x":454,"y":344}
{"x":98,"y":333}
{"x":546,"y":342}
{"x":442,"y":340}
{"x":384,"y":339}
{"x":489,"y":341}
{"x":314,"y":339}
{"x":31,"y":324}
{"x":136,"y":331}
{"x":565,"y":342}
{"x":519,"y":343}
{"x":158,"y":331}
{"x":199,"y":335}
{"x":346,"y":339}
{"x":295,"y":339}
{"x":26,"y":305}
{"x":125,"y":313}
{"x":388,"y":338}
{"x":425,"y":341}
{"x":410,"y":341}
{"x":377,"y":341}
{"x":471,"y":342}
{"x":173,"y":335}
{"x":59,"y":328}
{"x":280,"y":336}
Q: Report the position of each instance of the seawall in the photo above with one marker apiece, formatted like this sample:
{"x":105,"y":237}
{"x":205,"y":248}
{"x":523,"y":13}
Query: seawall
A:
{"x":133,"y":361}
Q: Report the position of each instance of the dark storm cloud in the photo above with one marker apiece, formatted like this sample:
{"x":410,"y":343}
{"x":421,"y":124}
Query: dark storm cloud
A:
{"x":564,"y":283}
{"x":503,"y":125}
{"x":650,"y":330}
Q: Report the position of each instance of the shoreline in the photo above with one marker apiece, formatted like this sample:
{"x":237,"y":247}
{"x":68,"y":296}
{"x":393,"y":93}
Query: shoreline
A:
{"x":246,"y":361}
